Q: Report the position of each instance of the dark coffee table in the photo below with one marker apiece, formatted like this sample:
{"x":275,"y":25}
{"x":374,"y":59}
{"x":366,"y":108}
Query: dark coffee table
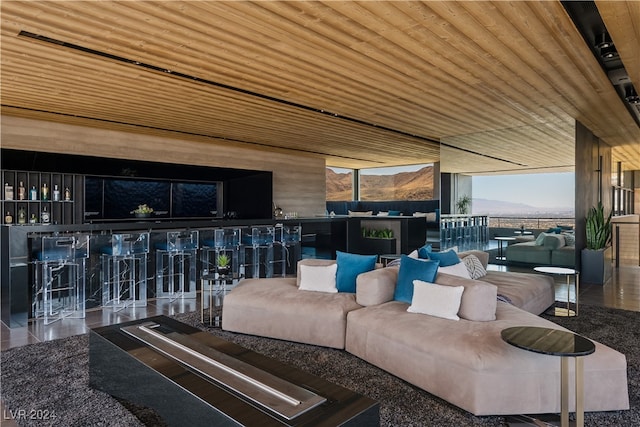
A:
{"x":191,"y":377}
{"x":557,"y":343}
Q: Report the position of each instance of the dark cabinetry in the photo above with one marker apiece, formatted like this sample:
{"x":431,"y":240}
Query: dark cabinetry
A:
{"x":30,"y":197}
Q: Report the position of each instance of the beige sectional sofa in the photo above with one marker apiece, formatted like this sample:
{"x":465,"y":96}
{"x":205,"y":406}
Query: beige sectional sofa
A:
{"x":464,"y":362}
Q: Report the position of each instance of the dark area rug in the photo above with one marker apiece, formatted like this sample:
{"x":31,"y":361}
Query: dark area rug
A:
{"x":53,"y":377}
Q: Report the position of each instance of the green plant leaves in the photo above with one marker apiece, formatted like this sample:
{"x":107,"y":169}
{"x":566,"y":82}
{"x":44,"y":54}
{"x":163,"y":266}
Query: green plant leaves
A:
{"x":598,"y":228}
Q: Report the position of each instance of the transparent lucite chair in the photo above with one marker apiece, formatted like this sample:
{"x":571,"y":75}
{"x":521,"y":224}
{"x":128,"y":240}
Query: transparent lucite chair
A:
{"x":176,"y":263}
{"x":288,"y":250}
{"x":258,"y":244}
{"x":218,"y":243}
{"x":60,"y":270}
{"x":123,"y":271}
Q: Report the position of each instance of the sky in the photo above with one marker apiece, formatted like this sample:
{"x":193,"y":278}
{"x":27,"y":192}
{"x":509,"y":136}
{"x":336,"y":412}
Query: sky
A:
{"x":550,"y":190}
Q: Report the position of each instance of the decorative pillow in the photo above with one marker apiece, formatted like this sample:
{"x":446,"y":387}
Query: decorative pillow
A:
{"x":314,"y":262}
{"x":554,"y":241}
{"x":554,"y":230}
{"x":395,"y":213}
{"x":570,"y":239}
{"x":540,"y":239}
{"x":436,"y":300}
{"x":459,"y":269}
{"x":420,"y":214}
{"x":318,"y":278}
{"x":432,"y":217}
{"x":413,"y":269}
{"x":424,"y":251}
{"x":382,"y":213}
{"x":446,"y":258}
{"x":474,"y":266}
{"x":349,"y":266}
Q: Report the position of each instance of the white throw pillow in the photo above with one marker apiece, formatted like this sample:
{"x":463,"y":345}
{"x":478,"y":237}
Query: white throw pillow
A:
{"x":436,"y":300}
{"x":459,"y":269}
{"x":474,"y":266}
{"x":318,"y":278}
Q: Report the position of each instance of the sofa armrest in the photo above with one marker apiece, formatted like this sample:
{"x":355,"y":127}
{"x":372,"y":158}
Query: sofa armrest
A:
{"x":376,"y":286}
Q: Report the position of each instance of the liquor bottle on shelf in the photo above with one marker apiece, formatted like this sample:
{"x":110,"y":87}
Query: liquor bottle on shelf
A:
{"x":22,"y":216}
{"x":67,"y":194}
{"x":8,"y":191}
{"x":56,"y":193}
{"x":45,"y":192}
{"x":33,"y":219}
{"x":33,"y":193}
{"x":8,"y":218}
{"x":44,"y":216}
{"x":22,"y":192}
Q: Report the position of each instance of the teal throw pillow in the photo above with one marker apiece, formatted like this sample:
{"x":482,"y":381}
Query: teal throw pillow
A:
{"x":394,"y":213}
{"x":413,"y":269}
{"x":446,"y":258}
{"x":349,"y":266}
{"x":424,"y":252}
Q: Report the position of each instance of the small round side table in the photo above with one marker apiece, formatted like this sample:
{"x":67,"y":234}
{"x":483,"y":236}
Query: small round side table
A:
{"x":556,"y":342}
{"x":568,"y":272}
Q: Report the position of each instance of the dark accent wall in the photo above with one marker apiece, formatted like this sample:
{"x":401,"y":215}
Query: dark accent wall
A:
{"x":248,"y":193}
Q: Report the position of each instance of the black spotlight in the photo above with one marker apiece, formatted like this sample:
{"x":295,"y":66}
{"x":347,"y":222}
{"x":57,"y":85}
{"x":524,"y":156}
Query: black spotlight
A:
{"x":631,"y":96}
{"x":603,"y":40}
{"x":608,"y":52}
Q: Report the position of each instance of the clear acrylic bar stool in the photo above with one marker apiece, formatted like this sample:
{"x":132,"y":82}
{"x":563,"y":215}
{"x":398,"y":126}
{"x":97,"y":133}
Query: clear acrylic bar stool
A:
{"x":260,"y":246}
{"x":123,"y":271}
{"x":289,"y":239}
{"x":59,"y":289}
{"x":176,"y":261}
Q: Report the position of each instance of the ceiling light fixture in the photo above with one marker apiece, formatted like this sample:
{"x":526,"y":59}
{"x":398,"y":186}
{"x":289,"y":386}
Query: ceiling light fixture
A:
{"x":609,"y":52}
{"x":631,"y":95}
{"x":603,"y":40}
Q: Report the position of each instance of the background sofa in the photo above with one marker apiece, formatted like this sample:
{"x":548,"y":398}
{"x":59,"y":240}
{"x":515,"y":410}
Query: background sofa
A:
{"x":557,"y":249}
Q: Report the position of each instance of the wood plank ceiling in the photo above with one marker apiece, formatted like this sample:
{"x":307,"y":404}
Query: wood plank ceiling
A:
{"x":360,"y":84}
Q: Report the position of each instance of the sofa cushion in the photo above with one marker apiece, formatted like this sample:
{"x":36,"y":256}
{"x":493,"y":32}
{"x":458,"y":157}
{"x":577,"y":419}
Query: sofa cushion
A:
{"x":459,"y":269}
{"x":474,"y":267}
{"x":410,"y":270}
{"x":377,"y":286}
{"x":540,"y":239}
{"x":529,"y":291}
{"x":423,"y":252}
{"x":553,"y":241}
{"x":570,"y":239}
{"x":312,"y":262}
{"x":349,"y":266}
{"x":446,"y":258}
{"x":436,"y":300}
{"x":318,"y":278}
{"x":479,"y":298}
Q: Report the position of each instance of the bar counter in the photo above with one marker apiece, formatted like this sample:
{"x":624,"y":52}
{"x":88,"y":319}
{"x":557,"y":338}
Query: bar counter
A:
{"x":339,"y":233}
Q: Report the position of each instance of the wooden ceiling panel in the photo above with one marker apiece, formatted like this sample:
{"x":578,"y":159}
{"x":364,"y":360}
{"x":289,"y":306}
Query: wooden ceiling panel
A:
{"x":361,"y":84}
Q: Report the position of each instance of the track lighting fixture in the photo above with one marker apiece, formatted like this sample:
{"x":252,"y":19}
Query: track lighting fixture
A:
{"x":603,"y":40}
{"x":608,"y":52}
{"x":631,"y":95}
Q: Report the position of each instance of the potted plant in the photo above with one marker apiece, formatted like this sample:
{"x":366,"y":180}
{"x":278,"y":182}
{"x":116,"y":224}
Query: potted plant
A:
{"x":223,"y":264}
{"x":596,"y":257}
{"x":462,"y":205}
{"x":142,"y":211}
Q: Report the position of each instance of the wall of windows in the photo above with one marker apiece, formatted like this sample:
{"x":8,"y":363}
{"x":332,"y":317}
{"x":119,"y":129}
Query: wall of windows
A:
{"x":415,"y":182}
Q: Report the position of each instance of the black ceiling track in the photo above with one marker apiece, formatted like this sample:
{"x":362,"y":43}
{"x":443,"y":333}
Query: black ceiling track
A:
{"x":587,"y":19}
